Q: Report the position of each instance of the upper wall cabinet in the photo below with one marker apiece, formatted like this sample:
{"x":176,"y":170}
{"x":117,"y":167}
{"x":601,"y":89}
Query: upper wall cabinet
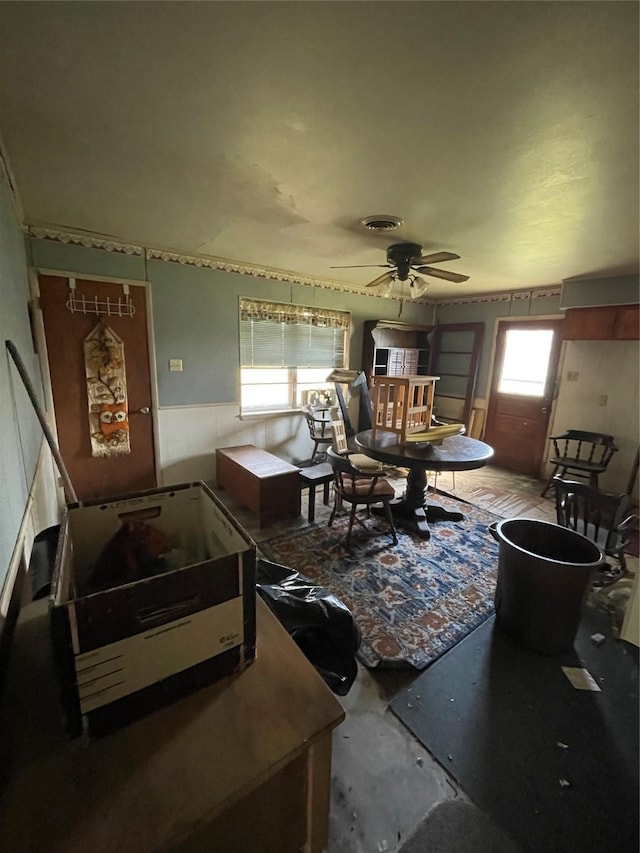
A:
{"x":391,"y":348}
{"x":627,"y":323}
{"x":605,"y":323}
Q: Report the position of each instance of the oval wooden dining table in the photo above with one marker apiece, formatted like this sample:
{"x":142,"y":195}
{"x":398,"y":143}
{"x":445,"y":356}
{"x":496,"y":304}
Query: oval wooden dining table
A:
{"x":457,"y":453}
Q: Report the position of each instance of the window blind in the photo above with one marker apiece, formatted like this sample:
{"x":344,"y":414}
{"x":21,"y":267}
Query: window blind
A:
{"x":279,"y":335}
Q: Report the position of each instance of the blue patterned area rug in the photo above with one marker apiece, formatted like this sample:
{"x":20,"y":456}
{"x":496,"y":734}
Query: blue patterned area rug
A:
{"x":413,"y":601}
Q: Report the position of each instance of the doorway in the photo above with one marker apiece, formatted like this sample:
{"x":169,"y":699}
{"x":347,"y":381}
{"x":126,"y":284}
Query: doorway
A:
{"x":522,"y":391}
{"x":71,"y":311}
{"x":455,"y":356}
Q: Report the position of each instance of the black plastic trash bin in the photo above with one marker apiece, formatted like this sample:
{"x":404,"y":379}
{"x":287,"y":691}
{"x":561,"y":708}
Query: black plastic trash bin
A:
{"x":544,"y":574}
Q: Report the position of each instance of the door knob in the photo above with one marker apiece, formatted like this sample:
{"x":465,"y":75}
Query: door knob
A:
{"x":144,"y":410}
{"x":545,"y":410}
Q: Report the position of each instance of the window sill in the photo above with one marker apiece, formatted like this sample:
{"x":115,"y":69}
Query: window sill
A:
{"x":260,"y":416}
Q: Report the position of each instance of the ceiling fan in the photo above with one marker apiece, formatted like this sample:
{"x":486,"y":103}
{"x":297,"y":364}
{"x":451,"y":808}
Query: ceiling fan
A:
{"x":405,"y":262}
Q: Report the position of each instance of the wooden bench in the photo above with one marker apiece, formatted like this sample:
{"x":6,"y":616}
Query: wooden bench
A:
{"x":260,"y":481}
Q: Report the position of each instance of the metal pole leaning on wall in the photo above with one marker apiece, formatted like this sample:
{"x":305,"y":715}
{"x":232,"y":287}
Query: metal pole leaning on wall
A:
{"x":68,"y":486}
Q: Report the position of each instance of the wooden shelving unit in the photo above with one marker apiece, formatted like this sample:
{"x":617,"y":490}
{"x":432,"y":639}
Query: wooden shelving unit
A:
{"x":392,"y":348}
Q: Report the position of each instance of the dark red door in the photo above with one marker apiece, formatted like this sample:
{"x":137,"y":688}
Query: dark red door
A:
{"x":65,"y":332}
{"x":522,"y":389}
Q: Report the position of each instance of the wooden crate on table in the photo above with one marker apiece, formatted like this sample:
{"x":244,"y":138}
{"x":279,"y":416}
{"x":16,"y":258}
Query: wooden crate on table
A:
{"x":403,"y":404}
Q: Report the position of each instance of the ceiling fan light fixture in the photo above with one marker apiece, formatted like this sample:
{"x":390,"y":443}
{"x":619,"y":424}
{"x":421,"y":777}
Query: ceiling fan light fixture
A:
{"x":418,"y":287}
{"x":407,"y":263}
{"x":385,"y":289}
{"x":382,"y":222}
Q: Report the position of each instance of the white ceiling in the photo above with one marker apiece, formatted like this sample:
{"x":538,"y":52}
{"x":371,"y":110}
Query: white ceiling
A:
{"x":262,"y":132}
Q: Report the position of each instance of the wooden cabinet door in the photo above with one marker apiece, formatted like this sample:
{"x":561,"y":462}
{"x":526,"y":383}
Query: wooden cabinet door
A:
{"x":410,"y":362}
{"x":396,"y":362}
{"x":589,"y":324}
{"x":627,"y":324}
{"x":604,"y":323}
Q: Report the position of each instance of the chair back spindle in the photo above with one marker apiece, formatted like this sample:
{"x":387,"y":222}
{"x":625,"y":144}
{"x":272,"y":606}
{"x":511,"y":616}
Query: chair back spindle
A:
{"x":585,"y":454}
{"x":319,"y":424}
{"x":600,"y":516}
{"x":359,"y":488}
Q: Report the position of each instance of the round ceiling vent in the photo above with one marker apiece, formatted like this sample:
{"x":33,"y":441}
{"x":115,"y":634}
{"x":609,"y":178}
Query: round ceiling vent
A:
{"x":382,"y":223}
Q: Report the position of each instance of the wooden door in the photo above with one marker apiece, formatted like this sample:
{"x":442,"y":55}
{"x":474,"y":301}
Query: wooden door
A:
{"x":522,"y":389}
{"x":455,"y":356}
{"x":96,"y":477}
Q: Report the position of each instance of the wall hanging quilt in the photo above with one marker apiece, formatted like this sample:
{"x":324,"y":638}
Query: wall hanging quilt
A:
{"x":106,"y":392}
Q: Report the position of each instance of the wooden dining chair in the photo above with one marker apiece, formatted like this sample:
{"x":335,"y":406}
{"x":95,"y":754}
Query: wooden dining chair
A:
{"x":319,"y":425}
{"x":601,"y":517}
{"x":358,"y":488}
{"x":585,"y":454}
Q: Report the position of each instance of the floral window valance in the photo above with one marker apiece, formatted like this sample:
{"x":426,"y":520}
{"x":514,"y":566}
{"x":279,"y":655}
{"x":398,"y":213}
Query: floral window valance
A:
{"x":278,"y":312}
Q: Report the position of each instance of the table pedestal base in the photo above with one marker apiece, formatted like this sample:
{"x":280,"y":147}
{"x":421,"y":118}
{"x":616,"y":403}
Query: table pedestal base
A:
{"x":416,"y":519}
{"x":411,"y":510}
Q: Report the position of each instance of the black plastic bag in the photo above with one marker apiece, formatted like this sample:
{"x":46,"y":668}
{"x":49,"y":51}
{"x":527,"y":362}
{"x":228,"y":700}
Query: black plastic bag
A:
{"x":42,"y":560}
{"x":320,"y":624}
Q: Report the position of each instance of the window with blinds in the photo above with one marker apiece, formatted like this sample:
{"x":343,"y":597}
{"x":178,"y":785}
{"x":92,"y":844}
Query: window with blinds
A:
{"x":286,"y":349}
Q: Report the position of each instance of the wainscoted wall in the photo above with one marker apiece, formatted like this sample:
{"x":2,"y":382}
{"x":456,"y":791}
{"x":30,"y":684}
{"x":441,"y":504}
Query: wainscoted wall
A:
{"x":189,"y":436}
{"x":604,"y":398}
{"x":42,"y":509}
{"x":20,"y":431}
{"x":195,"y":319}
{"x":48,"y":498}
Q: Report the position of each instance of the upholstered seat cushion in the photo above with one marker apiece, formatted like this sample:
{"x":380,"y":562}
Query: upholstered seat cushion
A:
{"x":362,"y":486}
{"x":365,"y":463}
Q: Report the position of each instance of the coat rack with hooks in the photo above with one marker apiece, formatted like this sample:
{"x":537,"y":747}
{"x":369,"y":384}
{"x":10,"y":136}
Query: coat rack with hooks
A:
{"x":80,"y":304}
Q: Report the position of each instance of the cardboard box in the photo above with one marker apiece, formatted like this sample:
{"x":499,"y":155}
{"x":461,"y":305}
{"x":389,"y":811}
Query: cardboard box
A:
{"x":124,"y":651}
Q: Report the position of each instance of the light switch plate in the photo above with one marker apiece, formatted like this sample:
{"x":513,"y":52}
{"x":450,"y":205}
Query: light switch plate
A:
{"x":175,"y":364}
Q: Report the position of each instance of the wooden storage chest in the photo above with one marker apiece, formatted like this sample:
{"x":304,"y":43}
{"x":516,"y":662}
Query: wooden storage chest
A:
{"x":268,"y":486}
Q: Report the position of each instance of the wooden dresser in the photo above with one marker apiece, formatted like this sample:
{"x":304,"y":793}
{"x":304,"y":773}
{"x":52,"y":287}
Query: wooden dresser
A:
{"x":242,"y":766}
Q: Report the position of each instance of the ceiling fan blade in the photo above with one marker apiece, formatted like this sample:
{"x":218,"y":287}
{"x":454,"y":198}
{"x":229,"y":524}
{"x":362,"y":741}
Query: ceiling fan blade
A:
{"x":445,"y":274}
{"x":359,"y":266}
{"x":385,"y":278}
{"x":437,"y":258}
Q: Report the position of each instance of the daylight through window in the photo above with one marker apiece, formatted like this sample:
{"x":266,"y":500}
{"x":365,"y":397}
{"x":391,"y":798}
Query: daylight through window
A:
{"x":285,"y":350}
{"x":526,"y":360}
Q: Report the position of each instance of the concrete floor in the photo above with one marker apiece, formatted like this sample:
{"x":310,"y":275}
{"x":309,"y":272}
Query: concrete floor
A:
{"x":384,"y":781}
